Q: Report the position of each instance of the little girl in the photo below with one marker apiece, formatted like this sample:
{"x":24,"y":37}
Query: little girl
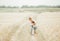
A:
{"x":33,"y":26}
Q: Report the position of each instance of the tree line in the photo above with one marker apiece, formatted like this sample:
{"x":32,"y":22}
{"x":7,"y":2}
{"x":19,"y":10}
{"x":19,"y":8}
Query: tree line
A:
{"x":40,"y":6}
{"x":26,"y":6}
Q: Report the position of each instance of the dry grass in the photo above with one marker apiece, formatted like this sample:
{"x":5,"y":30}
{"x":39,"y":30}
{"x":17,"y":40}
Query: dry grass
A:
{"x":16,"y":27}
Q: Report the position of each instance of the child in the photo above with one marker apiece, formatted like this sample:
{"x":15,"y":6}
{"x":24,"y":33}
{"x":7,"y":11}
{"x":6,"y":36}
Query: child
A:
{"x":33,"y":26}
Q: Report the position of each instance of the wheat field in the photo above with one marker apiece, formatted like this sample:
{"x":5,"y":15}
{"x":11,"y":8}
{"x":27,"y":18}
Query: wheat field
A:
{"x":16,"y":27}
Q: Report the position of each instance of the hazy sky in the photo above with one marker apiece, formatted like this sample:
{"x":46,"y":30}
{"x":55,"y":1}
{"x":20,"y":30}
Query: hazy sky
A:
{"x":29,"y":2}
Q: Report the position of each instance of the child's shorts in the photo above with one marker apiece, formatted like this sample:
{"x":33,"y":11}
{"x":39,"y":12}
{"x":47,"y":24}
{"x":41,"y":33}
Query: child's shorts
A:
{"x":35,"y":28}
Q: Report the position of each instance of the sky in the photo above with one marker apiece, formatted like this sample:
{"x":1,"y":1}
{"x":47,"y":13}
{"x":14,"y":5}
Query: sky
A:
{"x":29,"y":2}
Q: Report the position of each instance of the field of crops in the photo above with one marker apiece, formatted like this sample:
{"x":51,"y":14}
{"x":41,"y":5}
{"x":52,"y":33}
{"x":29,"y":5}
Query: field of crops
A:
{"x":39,"y":10}
{"x":15,"y":26}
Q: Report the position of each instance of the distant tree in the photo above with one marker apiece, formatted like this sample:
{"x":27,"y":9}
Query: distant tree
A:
{"x":8,"y":6}
{"x":24,"y":6}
